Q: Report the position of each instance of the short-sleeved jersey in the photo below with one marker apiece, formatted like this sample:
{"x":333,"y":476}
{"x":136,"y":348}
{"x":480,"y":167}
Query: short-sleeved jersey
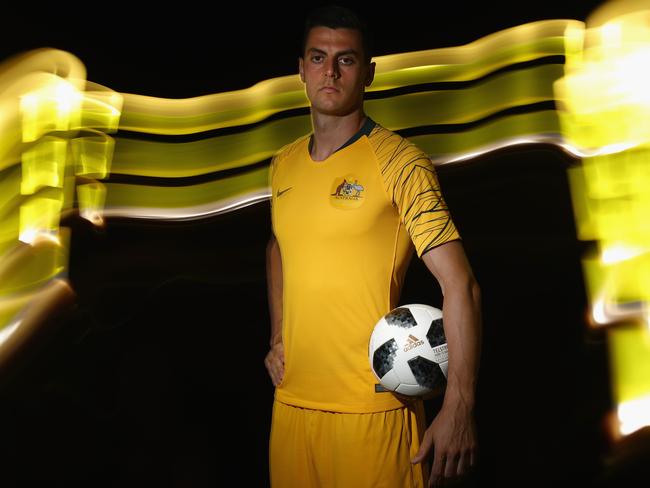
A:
{"x":347,"y":227}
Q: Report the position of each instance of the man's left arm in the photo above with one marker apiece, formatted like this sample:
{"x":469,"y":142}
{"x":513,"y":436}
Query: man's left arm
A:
{"x":452,"y":432}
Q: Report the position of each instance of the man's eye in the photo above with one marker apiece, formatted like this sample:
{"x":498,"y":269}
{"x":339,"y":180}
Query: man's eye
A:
{"x":316,"y":59}
{"x":346,"y":61}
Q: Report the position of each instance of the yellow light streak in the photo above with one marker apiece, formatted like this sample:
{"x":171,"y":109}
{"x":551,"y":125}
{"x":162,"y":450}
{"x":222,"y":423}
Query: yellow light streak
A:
{"x":604,"y":106}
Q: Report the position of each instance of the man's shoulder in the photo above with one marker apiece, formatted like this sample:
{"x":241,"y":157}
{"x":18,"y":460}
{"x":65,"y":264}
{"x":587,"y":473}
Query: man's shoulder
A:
{"x":290,"y":149}
{"x":381,"y":134}
{"x":389,"y":146}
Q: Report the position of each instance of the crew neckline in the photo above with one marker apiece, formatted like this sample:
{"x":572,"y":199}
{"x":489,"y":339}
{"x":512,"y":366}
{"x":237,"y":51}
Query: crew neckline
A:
{"x":365,"y":130}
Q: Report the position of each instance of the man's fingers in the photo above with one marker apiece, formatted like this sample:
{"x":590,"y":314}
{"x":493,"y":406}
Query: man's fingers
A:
{"x":274,"y":362}
{"x":437,"y":470}
{"x":463,"y":464}
{"x":279,"y":371}
{"x":467,"y":461}
{"x":451,"y":466}
{"x":425,"y":447}
{"x":418,"y":457}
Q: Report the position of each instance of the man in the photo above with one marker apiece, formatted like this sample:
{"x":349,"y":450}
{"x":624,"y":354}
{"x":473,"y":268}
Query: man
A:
{"x":350,"y":203}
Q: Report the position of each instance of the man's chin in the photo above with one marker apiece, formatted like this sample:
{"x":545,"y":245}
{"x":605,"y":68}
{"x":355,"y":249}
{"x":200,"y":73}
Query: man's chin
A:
{"x":333,"y":111}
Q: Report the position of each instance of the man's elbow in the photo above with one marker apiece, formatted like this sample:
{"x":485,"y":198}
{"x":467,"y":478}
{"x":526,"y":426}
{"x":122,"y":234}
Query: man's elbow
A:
{"x":466,"y":285}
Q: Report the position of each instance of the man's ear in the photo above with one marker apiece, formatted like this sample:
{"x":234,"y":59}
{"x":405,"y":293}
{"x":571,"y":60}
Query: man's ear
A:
{"x":301,"y":69}
{"x":371,"y":74}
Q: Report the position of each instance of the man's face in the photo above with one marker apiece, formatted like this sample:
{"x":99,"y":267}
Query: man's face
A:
{"x":334,"y":70}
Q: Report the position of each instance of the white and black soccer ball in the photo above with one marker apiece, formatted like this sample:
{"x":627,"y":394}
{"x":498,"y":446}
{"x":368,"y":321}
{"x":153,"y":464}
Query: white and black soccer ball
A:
{"x":408,"y":350}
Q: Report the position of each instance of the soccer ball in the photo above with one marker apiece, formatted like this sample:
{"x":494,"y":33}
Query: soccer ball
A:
{"x":408,"y":350}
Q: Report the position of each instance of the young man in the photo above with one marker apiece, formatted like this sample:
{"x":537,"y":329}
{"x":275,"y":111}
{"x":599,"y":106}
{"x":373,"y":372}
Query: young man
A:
{"x":350,"y":203}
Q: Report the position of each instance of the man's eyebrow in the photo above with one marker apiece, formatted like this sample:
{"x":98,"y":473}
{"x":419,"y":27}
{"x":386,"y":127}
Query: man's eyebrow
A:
{"x":340,"y":53}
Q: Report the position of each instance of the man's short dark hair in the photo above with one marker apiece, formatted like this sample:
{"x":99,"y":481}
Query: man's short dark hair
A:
{"x":337,"y":17}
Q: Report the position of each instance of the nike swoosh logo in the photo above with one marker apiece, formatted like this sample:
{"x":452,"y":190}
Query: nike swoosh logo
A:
{"x":282,"y":192}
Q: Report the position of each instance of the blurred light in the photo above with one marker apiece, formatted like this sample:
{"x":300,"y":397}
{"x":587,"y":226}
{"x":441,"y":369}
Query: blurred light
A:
{"x":629,"y":350}
{"x":44,"y":165}
{"x":92,"y":197}
{"x":53,"y":106}
{"x":620,"y":252}
{"x":8,"y":330}
{"x":39,"y":216}
{"x":53,"y":126}
{"x":634,"y":414}
{"x":604,"y":109}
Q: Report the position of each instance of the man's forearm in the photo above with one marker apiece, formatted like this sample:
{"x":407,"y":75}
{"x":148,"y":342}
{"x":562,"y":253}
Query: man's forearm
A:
{"x":453,"y":430}
{"x":463,"y":330}
{"x":274,"y":285}
{"x":461,"y":310}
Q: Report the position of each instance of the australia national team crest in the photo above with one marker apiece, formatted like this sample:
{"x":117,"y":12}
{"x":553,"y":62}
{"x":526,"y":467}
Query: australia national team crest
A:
{"x":347,"y":192}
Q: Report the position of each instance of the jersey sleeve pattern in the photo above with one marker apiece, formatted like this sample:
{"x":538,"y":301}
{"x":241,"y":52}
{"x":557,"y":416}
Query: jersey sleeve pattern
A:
{"x":412,"y":184}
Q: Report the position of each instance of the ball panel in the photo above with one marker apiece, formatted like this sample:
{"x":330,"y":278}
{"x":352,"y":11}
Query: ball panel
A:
{"x":390,"y":380}
{"x":443,"y":367}
{"x":426,"y":372}
{"x":400,"y":317}
{"x":384,"y":357}
{"x":411,"y":390}
{"x":436,"y":333}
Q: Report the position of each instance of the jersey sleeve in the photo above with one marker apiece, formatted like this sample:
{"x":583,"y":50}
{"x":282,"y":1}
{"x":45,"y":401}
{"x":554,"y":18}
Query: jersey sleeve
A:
{"x":412,"y":184}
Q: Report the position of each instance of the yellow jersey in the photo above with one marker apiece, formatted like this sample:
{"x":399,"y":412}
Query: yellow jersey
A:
{"x":347,"y":228}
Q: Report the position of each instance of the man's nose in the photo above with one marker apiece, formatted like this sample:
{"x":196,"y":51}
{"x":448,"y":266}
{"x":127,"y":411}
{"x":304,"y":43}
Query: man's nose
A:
{"x":332,"y":69}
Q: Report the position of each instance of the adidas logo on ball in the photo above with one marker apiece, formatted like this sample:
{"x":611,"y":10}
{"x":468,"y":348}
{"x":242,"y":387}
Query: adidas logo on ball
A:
{"x":411,"y":342}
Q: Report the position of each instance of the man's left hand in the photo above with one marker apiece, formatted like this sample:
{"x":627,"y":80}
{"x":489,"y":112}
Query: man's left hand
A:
{"x":452,"y":435}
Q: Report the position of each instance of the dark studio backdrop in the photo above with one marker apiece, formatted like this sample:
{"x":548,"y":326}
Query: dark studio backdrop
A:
{"x":156,"y":376}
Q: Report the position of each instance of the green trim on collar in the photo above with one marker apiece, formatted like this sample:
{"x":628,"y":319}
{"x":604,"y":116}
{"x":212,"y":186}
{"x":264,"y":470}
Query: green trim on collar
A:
{"x":365,"y":130}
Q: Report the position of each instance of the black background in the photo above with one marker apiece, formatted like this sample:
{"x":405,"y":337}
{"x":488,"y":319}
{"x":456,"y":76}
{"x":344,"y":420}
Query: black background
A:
{"x":156,"y":376}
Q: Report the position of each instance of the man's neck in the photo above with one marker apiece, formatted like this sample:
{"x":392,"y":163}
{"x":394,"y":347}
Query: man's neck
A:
{"x":331,"y":132}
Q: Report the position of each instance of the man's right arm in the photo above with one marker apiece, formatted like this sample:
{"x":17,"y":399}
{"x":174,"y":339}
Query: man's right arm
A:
{"x":274,"y":360}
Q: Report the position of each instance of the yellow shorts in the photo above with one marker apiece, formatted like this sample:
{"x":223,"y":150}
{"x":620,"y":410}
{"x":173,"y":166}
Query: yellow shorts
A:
{"x":319,"y":449}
